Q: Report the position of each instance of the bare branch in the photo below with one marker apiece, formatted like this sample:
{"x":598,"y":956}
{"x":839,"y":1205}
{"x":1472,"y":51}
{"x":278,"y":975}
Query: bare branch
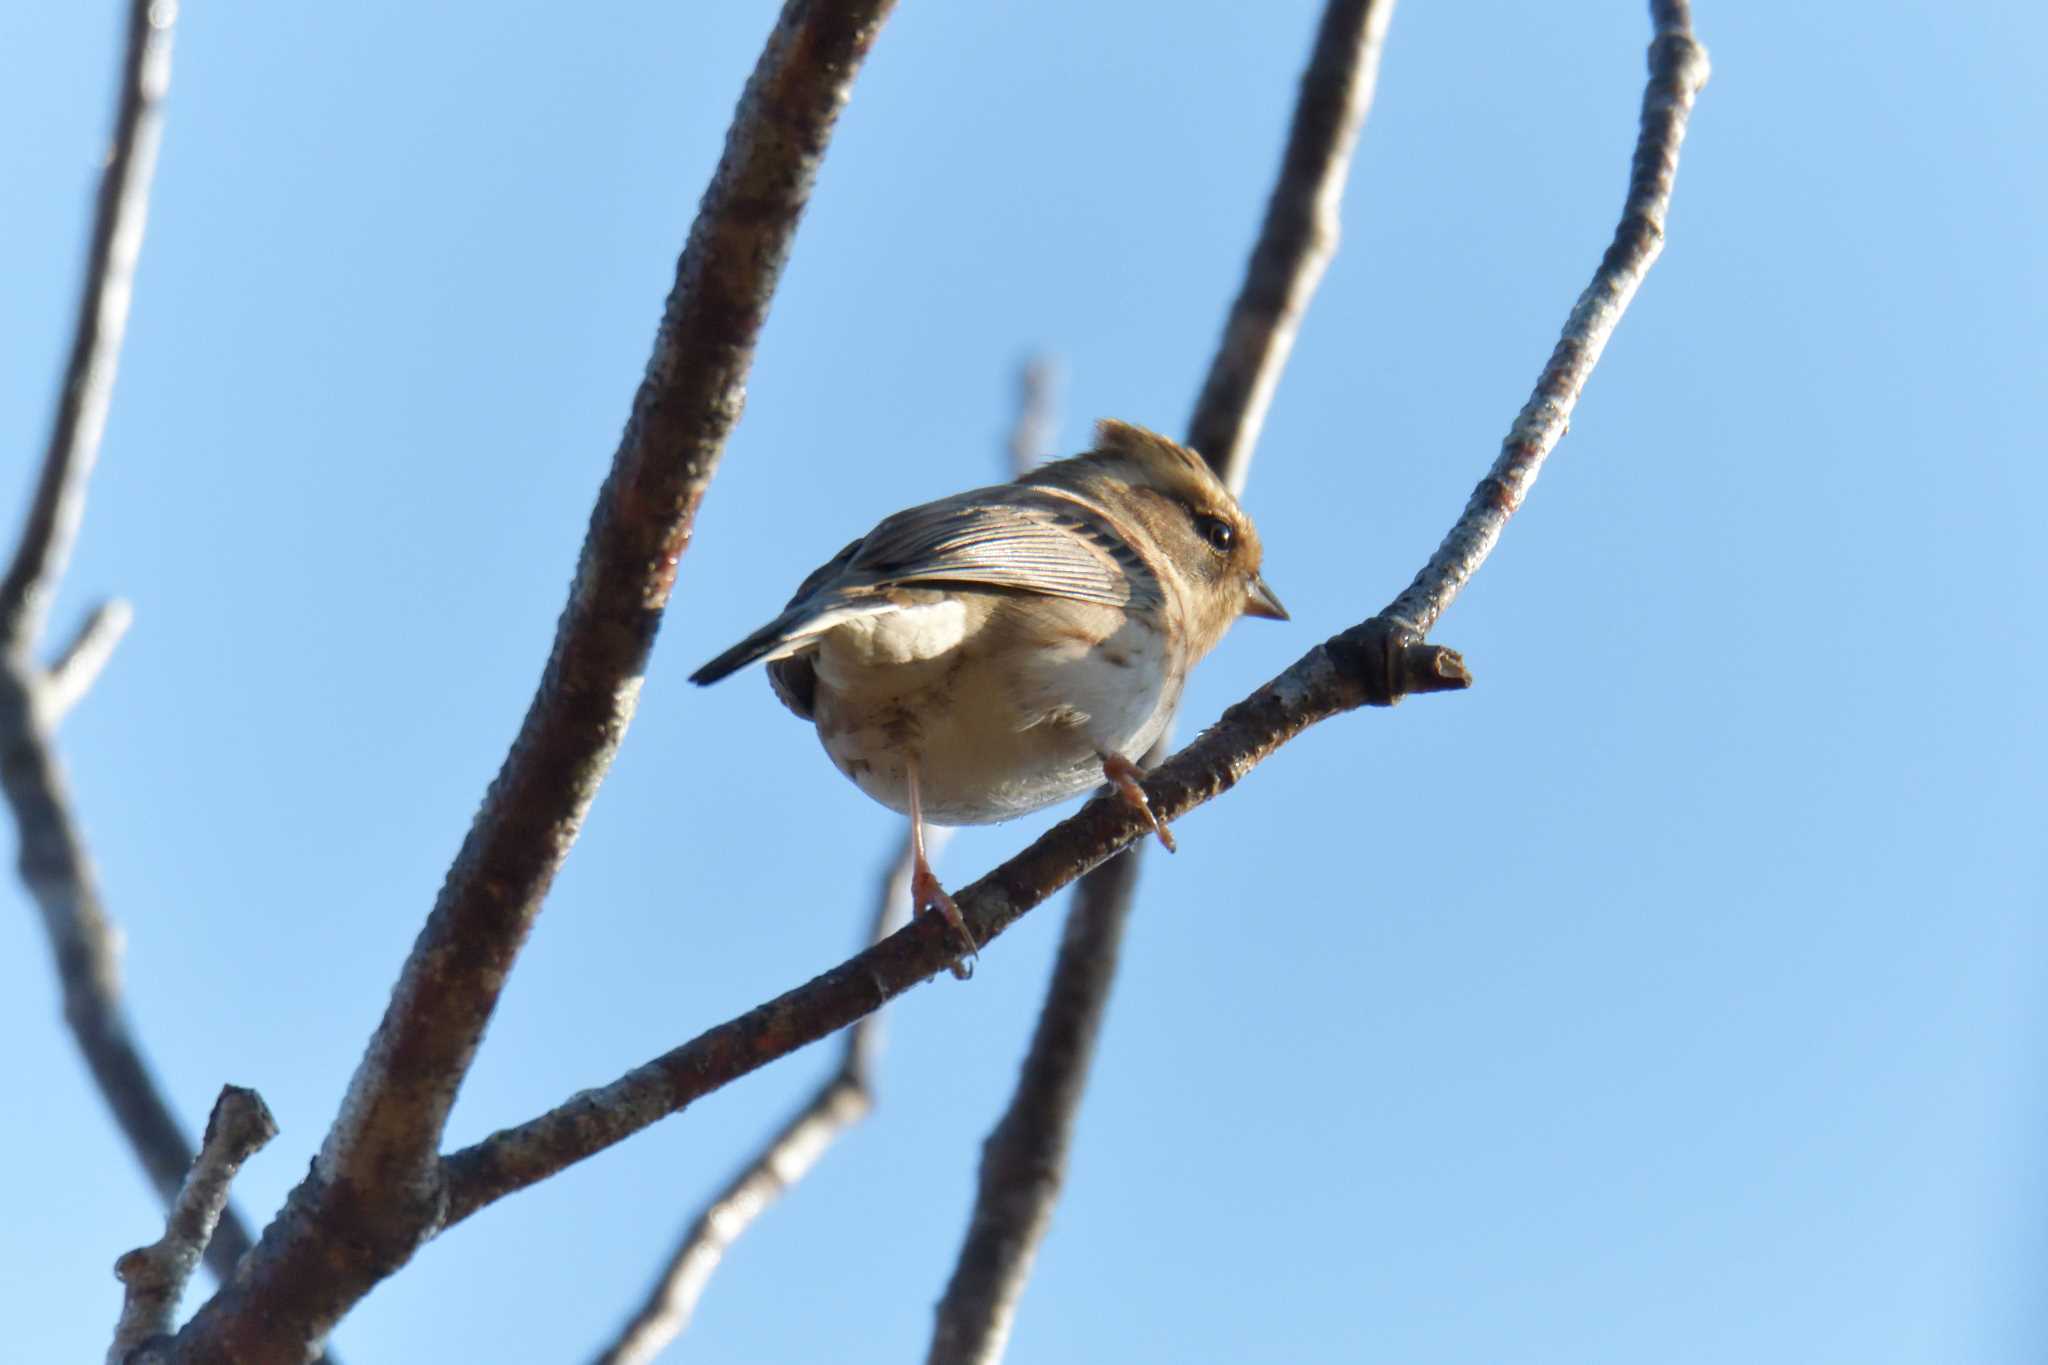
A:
{"x":118,"y":220}
{"x":155,"y":1276}
{"x":374,"y":1193}
{"x":1678,"y":71}
{"x":1023,"y":1164}
{"x":53,"y":860}
{"x":59,"y":875}
{"x":843,"y":1100}
{"x":1298,"y":238}
{"x":1375,"y":663}
{"x":83,"y":658}
{"x":1031,"y":434}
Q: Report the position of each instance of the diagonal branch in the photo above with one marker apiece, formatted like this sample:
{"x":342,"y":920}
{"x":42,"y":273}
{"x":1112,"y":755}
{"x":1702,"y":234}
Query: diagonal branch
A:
{"x":842,"y":1101}
{"x":1678,"y":71}
{"x":1372,"y":664}
{"x":1376,"y":662}
{"x":374,"y":1192}
{"x":81,"y":420}
{"x":154,"y":1277}
{"x":1023,"y":1164}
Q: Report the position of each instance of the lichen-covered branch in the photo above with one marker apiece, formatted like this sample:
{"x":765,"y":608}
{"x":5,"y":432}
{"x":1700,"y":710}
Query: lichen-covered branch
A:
{"x":374,"y":1193}
{"x":1023,"y":1164}
{"x":1678,"y":71}
{"x":153,"y":1278}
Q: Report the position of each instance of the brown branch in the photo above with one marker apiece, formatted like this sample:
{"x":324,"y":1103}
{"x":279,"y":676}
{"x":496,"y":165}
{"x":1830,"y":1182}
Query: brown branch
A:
{"x":1298,"y":238}
{"x":374,"y":1193}
{"x":1678,"y":71}
{"x":154,"y":1277}
{"x":53,"y":860}
{"x":1023,"y":1163}
{"x":843,"y":1100}
{"x":81,"y":419}
{"x":1375,"y":663}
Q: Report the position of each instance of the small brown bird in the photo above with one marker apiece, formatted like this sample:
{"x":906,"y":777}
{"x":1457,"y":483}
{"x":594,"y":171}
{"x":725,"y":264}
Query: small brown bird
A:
{"x":988,"y":654}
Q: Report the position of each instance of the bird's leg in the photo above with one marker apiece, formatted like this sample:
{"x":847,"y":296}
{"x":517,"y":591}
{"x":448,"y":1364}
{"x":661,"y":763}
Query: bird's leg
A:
{"x":926,"y":895}
{"x":1123,"y":775}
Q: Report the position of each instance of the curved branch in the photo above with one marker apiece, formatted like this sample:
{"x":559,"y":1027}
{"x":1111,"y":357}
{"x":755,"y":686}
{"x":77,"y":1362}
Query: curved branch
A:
{"x":374,"y":1192}
{"x":81,"y":419}
{"x":1023,"y":1164}
{"x":1678,"y":71}
{"x":1376,"y":663}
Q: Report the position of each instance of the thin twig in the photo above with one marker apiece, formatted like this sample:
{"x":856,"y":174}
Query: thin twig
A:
{"x":845,"y":1098}
{"x":1372,"y":664}
{"x":1376,"y":662}
{"x":53,"y":860}
{"x":1031,"y":434}
{"x":154,"y":1277}
{"x":118,"y":219}
{"x":374,"y":1193}
{"x":1678,"y":71}
{"x":84,"y":656}
{"x":1024,"y":1162}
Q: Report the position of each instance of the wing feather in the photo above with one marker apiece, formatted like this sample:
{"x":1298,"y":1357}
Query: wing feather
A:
{"x":1005,"y":539}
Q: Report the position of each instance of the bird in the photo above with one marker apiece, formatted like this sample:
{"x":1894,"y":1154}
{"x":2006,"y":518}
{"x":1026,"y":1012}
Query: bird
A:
{"x":994,"y":652}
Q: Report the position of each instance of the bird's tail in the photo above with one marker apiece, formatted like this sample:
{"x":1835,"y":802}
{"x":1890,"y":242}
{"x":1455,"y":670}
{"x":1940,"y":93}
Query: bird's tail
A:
{"x":783,"y":636}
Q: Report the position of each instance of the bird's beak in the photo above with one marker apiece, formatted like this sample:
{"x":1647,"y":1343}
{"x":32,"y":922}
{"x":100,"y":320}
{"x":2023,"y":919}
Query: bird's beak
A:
{"x":1260,"y":601}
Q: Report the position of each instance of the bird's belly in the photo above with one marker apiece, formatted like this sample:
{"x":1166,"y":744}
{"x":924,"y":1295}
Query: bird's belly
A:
{"x":993,"y":743}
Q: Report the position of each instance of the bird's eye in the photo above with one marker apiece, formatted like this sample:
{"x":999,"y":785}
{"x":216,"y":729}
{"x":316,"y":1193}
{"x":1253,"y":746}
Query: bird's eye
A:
{"x":1220,"y":534}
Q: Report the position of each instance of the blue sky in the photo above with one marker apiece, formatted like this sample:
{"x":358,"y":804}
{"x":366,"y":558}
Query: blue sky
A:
{"x":1675,"y":994}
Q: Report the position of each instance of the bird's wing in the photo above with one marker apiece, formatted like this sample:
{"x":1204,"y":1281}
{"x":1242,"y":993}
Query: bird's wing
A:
{"x":1000,"y":539}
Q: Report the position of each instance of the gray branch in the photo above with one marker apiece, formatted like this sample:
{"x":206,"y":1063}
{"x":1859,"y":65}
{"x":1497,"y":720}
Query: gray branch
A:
{"x":79,"y":664}
{"x":154,"y":1277}
{"x":1024,"y":1162}
{"x":54,"y":863}
{"x":81,"y":420}
{"x":375,"y":1192}
{"x":1678,"y":71}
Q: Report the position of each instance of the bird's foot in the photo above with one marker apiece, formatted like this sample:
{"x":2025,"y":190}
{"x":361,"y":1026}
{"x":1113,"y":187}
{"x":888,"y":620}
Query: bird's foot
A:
{"x":927,"y":897}
{"x":1123,"y":775}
